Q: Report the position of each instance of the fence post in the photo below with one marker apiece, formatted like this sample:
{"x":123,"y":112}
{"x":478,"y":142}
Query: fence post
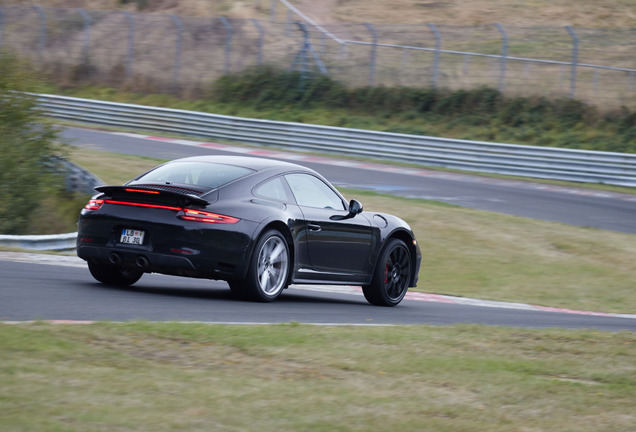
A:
{"x":575,"y":59}
{"x":228,"y":43}
{"x":130,"y":56}
{"x":302,"y":58}
{"x":374,"y":49}
{"x":288,"y":22}
{"x":438,"y":47}
{"x":504,"y":56}
{"x":272,"y":14}
{"x":261,"y":37}
{"x":1,"y":29}
{"x":87,"y":35}
{"x":177,"y":54}
{"x":42,"y":38}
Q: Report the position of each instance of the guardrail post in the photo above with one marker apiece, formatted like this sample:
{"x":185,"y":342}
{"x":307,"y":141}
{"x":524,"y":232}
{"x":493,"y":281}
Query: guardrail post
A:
{"x":130,"y":56}
{"x":87,"y":35}
{"x":373,"y":57}
{"x":228,"y":43}
{"x":438,"y":48}
{"x":261,"y":37}
{"x":504,"y":56}
{"x":42,"y":37}
{"x":575,"y":59}
{"x":177,"y":51}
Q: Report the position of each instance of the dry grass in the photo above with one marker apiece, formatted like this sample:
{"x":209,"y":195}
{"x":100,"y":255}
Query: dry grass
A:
{"x":198,"y":8}
{"x":583,"y":13}
{"x":204,"y":58}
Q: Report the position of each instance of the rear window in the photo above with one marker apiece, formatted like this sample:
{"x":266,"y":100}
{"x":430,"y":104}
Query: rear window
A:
{"x":206,"y":174}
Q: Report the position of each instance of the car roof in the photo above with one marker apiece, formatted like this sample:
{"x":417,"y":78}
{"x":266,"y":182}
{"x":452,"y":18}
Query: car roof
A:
{"x":255,"y":163}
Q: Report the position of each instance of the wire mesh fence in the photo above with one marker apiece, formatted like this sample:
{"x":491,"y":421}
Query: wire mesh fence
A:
{"x":186,"y":54}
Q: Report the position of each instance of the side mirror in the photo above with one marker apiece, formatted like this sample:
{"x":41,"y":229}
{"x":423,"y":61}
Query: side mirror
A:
{"x":355,"y":207}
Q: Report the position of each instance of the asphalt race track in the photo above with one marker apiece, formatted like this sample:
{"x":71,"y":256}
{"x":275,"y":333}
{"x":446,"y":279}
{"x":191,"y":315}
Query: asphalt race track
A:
{"x":61,"y":289}
{"x":48,"y":287}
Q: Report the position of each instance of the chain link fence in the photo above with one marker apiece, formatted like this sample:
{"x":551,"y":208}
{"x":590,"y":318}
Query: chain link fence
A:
{"x":186,"y":54}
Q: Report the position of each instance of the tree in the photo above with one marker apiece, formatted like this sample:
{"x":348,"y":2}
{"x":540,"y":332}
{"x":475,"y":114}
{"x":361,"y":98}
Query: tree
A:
{"x":27,"y":145}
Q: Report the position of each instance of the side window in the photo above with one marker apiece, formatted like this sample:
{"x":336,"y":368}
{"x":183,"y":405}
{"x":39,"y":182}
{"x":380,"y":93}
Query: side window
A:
{"x":310,"y":191}
{"x":273,"y":189}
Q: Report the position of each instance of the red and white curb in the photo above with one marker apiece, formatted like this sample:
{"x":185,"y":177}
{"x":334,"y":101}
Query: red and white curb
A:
{"x":73,"y":261}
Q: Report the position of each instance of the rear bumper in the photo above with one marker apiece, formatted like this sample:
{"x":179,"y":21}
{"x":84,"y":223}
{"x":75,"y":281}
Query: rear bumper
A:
{"x":170,"y":247}
{"x":169,"y":264}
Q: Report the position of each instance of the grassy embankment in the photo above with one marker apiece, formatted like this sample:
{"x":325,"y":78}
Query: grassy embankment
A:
{"x":177,"y":377}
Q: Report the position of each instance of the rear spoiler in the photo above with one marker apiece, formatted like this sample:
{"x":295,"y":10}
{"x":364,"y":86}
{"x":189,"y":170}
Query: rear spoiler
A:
{"x":152,"y":195}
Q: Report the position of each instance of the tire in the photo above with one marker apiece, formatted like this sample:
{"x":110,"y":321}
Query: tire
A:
{"x":110,"y":274}
{"x":391,"y":276}
{"x":268,"y":270}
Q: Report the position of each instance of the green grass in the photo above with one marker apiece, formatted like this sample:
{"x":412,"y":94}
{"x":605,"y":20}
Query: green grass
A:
{"x":178,"y":377}
{"x":481,"y":254}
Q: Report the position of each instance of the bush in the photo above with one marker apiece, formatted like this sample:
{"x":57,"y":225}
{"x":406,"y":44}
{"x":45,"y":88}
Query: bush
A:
{"x":26,"y":143}
{"x":480,"y":114}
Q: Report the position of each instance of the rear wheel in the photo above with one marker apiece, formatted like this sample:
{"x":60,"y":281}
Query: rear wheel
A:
{"x":110,"y":274}
{"x":268,"y":270}
{"x":391,"y":275}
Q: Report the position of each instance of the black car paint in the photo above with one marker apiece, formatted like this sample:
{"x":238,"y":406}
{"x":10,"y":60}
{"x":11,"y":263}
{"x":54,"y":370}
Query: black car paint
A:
{"x":326,"y":245}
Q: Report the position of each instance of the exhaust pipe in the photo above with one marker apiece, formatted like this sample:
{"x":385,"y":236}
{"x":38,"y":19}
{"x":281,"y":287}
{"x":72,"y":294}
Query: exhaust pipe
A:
{"x":114,"y":258}
{"x":142,"y":261}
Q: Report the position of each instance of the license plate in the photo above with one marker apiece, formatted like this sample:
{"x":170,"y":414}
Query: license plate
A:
{"x":131,"y":236}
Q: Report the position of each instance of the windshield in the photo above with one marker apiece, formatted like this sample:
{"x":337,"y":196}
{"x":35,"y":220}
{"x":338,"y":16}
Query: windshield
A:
{"x":206,"y":174}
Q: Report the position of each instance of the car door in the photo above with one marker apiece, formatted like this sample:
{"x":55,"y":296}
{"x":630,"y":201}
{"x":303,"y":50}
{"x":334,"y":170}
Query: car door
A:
{"x":338,"y":246}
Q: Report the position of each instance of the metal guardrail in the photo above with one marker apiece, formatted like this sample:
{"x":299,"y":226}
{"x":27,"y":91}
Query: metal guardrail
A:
{"x":518,"y":160}
{"x":53,"y":242}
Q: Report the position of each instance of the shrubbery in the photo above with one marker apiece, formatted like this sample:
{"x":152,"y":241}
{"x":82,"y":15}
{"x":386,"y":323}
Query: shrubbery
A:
{"x":26,"y":144}
{"x":476,"y":114}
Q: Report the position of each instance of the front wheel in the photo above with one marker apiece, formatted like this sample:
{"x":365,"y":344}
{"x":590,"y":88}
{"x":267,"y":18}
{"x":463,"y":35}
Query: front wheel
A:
{"x":391,"y":275}
{"x":268,"y":270}
{"x":110,"y":274}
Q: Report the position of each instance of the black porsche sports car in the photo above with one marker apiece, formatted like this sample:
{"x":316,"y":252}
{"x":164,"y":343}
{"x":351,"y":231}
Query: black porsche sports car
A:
{"x":258,"y":224}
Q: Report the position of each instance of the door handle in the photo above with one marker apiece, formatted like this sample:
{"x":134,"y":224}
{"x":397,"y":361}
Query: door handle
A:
{"x":313,"y":227}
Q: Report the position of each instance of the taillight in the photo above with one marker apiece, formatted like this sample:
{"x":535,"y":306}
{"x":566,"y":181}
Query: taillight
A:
{"x":94,"y":204}
{"x":207,"y":217}
{"x":185,"y":214}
